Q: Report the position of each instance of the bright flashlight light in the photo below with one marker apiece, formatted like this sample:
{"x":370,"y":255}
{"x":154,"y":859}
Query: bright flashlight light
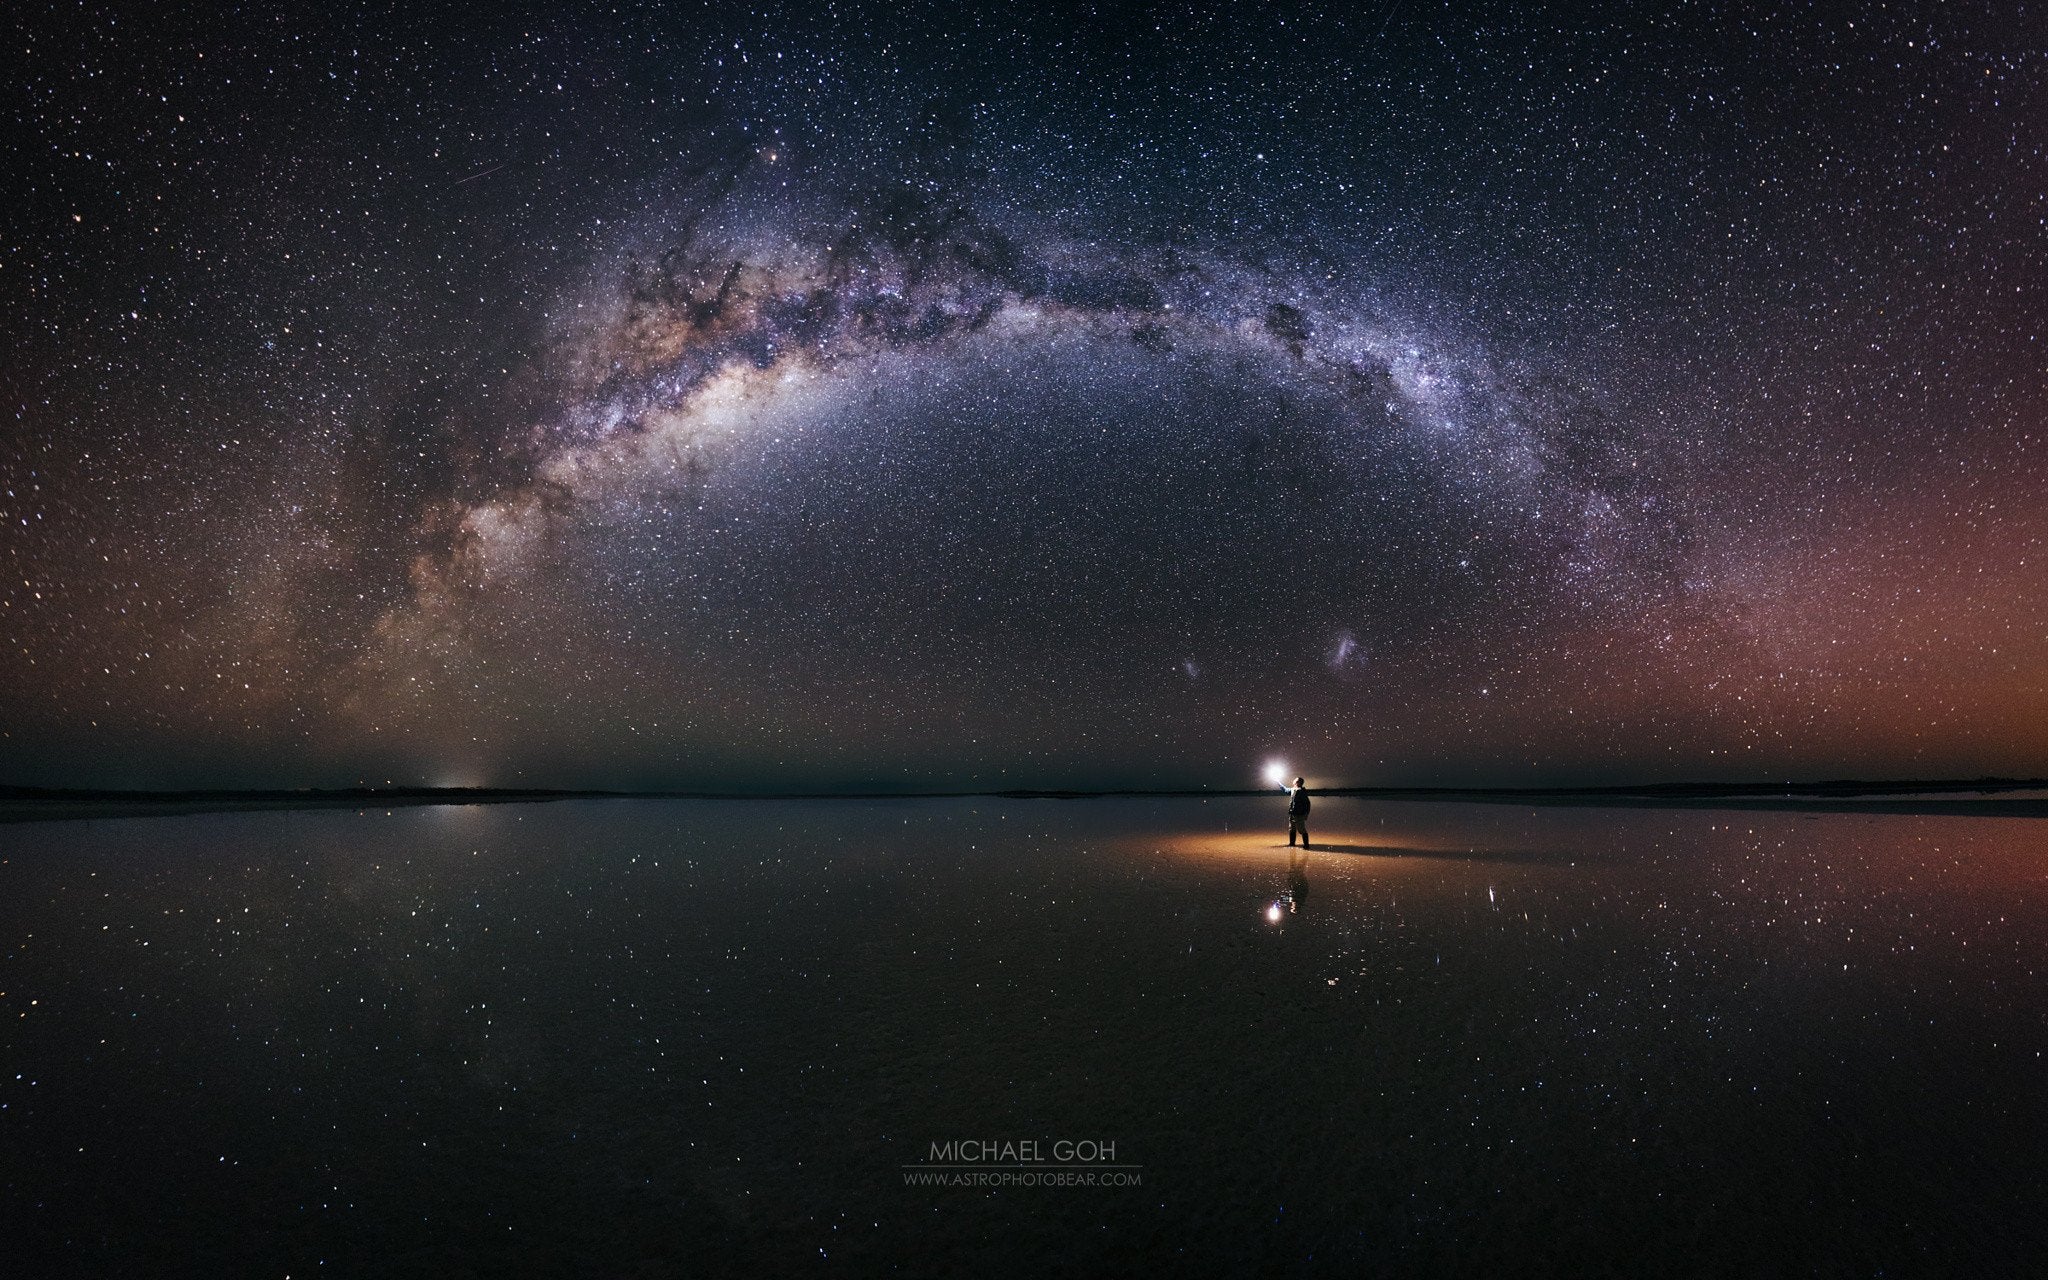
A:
{"x":1273,"y":914}
{"x":1276,"y":771}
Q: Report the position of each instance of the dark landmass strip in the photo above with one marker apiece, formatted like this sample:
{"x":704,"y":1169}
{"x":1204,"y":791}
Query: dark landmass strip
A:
{"x":1976,"y":796}
{"x":48,"y":804}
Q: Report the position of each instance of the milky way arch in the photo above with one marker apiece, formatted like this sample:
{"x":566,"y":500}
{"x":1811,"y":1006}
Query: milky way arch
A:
{"x":751,"y":300}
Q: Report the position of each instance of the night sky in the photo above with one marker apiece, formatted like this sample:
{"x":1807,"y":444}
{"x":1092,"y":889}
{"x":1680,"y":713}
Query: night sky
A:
{"x":1079,"y":396}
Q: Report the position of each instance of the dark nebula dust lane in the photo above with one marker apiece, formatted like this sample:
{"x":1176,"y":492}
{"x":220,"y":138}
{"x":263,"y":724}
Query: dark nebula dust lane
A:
{"x":914,"y":398}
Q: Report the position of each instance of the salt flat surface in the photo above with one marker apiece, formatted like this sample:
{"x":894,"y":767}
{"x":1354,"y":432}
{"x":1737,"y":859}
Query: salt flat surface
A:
{"x":690,"y":1037}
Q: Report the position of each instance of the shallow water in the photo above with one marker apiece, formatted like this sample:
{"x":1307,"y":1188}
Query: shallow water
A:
{"x":651,"y":1038}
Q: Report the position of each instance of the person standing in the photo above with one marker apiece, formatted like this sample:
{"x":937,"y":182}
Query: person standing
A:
{"x":1297,"y":811}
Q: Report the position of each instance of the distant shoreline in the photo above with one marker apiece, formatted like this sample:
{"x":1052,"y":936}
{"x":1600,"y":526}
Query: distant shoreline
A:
{"x":1974,"y":796}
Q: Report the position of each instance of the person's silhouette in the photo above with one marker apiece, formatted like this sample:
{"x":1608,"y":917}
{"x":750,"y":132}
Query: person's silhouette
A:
{"x":1297,"y":812}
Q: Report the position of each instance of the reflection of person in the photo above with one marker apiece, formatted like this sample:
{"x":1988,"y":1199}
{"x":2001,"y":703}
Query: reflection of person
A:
{"x":1297,"y":880}
{"x":1297,"y":812}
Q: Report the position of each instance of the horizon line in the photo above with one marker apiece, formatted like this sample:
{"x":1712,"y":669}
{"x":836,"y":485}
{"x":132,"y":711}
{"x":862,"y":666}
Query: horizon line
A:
{"x":13,"y":791}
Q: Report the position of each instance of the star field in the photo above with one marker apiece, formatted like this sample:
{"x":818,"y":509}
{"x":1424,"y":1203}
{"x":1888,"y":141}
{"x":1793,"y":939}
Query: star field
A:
{"x":771,"y":399}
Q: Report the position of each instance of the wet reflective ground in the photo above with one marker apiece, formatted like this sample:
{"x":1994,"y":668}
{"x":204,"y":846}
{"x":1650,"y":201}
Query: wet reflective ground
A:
{"x":638,"y":1038}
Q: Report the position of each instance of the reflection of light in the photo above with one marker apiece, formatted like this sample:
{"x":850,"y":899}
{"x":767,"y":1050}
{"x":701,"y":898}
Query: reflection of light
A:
{"x":1276,"y":771}
{"x":1273,"y":914}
